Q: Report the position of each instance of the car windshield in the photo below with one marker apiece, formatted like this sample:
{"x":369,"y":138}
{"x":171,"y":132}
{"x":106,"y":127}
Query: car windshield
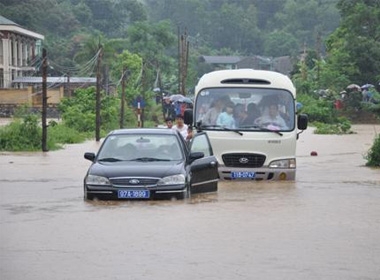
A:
{"x":140,"y":148}
{"x":245,"y":109}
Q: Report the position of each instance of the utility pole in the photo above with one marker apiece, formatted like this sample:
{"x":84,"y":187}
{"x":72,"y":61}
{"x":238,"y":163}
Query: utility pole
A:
{"x":179,"y":60}
{"x":183,"y":50}
{"x":68,"y":87}
{"x":44,"y":100}
{"x":122,"y":98}
{"x":140,"y":110}
{"x":318,"y":51}
{"x":98,"y":80}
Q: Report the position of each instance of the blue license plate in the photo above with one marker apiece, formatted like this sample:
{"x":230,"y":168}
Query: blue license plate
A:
{"x":242,"y":175}
{"x":133,"y":194}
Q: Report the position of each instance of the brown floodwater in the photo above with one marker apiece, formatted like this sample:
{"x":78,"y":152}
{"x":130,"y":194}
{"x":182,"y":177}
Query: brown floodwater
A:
{"x":323,"y":225}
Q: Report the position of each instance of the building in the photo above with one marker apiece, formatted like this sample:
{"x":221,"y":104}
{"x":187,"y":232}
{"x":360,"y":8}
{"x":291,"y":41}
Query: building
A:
{"x":20,"y":55}
{"x":19,"y":48}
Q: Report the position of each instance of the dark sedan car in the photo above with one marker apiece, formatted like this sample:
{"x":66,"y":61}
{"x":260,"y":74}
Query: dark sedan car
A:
{"x":149,"y":163}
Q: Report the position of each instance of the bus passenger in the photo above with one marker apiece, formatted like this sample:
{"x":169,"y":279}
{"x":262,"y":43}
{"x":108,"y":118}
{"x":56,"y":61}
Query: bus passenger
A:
{"x":212,"y":114}
{"x":272,"y":119}
{"x":226,"y":118}
{"x":243,"y":118}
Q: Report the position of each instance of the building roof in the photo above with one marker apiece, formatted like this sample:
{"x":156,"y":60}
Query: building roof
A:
{"x":220,"y":59}
{"x":8,"y":25}
{"x":283,"y":64}
{"x":55,"y":80}
{"x":5,"y":21}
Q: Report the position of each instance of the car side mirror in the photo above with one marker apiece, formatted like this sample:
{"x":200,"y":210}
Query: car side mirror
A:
{"x":302,"y":121}
{"x":90,"y":156}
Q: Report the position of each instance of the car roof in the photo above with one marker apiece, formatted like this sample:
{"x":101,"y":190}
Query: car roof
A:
{"x":161,"y":131}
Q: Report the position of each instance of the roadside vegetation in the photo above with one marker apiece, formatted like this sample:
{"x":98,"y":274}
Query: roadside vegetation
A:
{"x":373,"y":155}
{"x":77,"y":122}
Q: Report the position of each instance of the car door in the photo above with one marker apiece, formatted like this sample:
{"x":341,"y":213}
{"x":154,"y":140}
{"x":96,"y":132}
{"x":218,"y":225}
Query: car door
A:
{"x":204,"y":170}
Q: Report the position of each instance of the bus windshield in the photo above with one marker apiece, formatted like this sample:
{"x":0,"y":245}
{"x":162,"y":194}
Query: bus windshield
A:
{"x":245,"y":109}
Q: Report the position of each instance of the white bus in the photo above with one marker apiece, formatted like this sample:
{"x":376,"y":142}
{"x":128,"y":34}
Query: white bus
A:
{"x":251,"y":119}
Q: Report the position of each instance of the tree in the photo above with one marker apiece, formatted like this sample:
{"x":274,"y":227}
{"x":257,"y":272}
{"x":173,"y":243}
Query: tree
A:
{"x":128,"y":67}
{"x":154,"y":43}
{"x":280,"y":43}
{"x":306,"y":20}
{"x":354,"y":47}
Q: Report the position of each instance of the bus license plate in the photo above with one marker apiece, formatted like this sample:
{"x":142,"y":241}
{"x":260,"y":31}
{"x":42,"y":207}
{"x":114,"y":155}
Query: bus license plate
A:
{"x":242,"y":175}
{"x":133,"y":194}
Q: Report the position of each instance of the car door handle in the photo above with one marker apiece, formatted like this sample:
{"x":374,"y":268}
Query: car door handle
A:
{"x":213,"y":164}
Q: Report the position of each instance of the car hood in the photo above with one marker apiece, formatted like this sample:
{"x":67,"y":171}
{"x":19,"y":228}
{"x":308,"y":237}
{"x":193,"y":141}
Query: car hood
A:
{"x":137,"y":169}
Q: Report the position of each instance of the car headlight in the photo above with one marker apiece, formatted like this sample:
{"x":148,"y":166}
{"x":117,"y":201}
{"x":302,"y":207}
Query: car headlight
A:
{"x":284,"y":163}
{"x":97,"y":180}
{"x":172,"y":180}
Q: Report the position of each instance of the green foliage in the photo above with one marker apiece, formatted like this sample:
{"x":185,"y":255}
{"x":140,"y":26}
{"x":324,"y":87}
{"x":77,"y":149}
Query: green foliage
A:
{"x":25,"y":134}
{"x":354,"y":47}
{"x":238,"y":25}
{"x":21,"y":135}
{"x":154,"y":44}
{"x":323,"y":115}
{"x":128,"y":66}
{"x":374,"y":105}
{"x":280,"y":43}
{"x":373,"y":155}
{"x":352,"y":102}
{"x":342,"y":126}
{"x":317,"y":109}
{"x":62,"y":134}
{"x":78,"y":112}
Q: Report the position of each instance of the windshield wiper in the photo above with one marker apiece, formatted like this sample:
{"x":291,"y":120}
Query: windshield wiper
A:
{"x":149,"y":159}
{"x":262,"y":128}
{"x":110,"y":159}
{"x":239,"y":132}
{"x":222,"y":127}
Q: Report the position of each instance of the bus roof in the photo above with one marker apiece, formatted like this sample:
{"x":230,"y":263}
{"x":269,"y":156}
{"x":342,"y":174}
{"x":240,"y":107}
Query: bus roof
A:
{"x":245,"y":78}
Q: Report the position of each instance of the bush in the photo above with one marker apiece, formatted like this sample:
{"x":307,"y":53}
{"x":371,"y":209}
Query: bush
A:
{"x":21,"y":135}
{"x":373,"y":155}
{"x":342,"y":126}
{"x":78,"y":112}
{"x":62,"y":134}
{"x":26,"y":135}
{"x":318,"y":110}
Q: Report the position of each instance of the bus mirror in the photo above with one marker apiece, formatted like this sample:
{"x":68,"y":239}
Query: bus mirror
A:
{"x":302,"y":121}
{"x":188,"y":116}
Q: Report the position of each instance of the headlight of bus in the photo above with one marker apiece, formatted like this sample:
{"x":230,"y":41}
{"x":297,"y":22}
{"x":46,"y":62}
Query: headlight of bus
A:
{"x":283,"y":163}
{"x":172,"y":180}
{"x":97,"y":180}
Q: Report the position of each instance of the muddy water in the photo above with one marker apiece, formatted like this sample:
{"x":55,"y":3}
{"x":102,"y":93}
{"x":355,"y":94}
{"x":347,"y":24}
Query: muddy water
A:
{"x":325,"y":225}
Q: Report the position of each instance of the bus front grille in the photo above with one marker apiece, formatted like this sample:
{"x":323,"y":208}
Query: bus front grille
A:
{"x":243,"y":160}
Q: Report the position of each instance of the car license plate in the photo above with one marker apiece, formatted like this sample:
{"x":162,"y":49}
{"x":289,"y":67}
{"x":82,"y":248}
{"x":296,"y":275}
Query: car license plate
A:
{"x":133,"y":194}
{"x":242,"y":174}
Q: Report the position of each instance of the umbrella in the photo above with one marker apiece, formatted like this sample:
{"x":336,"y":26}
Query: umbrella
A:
{"x":185,"y":100}
{"x":180,"y":98}
{"x":367,"y":86}
{"x":354,"y":87}
{"x":176,"y":97}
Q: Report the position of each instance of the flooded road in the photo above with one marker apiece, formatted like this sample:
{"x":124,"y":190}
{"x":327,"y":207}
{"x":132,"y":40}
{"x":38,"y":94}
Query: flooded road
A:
{"x":325,"y":225}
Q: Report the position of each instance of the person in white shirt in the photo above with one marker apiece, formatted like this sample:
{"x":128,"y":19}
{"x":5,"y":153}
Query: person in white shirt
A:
{"x":272,"y":119}
{"x":180,"y":126}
